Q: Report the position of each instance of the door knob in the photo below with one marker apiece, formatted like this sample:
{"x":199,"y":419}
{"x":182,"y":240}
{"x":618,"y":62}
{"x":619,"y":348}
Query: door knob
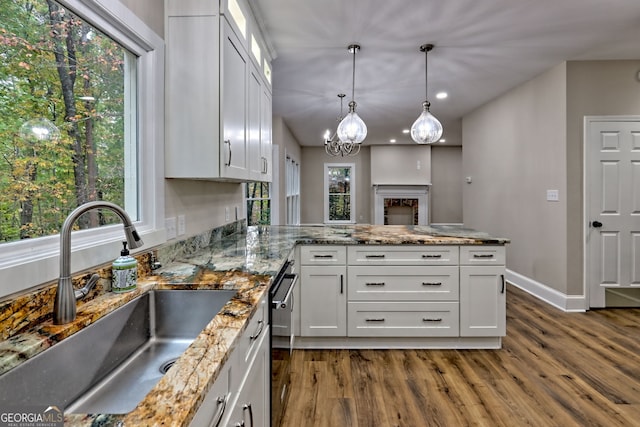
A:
{"x":596,"y":224}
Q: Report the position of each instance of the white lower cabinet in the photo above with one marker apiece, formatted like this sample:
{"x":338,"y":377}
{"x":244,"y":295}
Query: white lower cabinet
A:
{"x":251,"y":407}
{"x":444,"y":295}
{"x":241,"y":395}
{"x":323,"y":304}
{"x":483,"y":300}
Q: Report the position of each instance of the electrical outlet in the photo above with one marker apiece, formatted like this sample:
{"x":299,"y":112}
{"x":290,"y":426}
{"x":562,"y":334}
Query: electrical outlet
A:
{"x":182,"y":225}
{"x":170,"y":227}
{"x":553,"y":195}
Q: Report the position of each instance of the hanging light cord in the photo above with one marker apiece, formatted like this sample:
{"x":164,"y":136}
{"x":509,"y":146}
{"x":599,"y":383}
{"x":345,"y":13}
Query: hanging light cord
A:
{"x":426,"y":48}
{"x":353,"y":49}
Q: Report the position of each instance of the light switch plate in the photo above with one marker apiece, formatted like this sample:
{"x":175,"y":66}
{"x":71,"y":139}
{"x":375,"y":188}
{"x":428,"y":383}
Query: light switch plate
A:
{"x":170,"y":227}
{"x":182,"y":225}
{"x":553,"y":195}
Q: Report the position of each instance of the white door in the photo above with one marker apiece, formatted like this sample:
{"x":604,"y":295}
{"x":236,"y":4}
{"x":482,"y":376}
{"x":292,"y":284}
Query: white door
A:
{"x":612,"y":205}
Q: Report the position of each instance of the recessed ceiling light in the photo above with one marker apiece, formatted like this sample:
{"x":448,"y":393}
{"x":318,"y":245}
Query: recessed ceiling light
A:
{"x":442,"y":95}
{"x":393,"y":141}
{"x":405,"y":131}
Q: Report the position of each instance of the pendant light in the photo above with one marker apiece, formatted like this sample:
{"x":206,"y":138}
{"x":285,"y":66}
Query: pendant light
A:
{"x":352,"y":129}
{"x":426,"y":129}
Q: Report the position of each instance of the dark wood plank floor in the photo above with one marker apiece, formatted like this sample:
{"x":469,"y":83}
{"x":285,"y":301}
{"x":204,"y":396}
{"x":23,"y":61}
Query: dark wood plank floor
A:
{"x":555,"y":369}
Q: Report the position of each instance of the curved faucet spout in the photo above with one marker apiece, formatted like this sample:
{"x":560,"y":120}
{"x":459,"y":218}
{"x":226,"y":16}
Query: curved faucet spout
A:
{"x":64,"y":309}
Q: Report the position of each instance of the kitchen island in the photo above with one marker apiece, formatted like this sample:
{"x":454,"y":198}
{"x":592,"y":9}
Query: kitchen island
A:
{"x":245,"y":261}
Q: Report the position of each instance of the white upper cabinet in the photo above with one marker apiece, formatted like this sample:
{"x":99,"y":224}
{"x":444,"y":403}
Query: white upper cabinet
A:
{"x":218,"y":92}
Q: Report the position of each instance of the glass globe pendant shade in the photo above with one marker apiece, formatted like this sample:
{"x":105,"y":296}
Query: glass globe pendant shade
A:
{"x":352,"y":129}
{"x":426,"y":129}
{"x":39,"y":129}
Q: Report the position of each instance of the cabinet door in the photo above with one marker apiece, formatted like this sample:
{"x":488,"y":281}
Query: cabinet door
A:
{"x":192,"y":90}
{"x":256,"y":163}
{"x":482,"y":301}
{"x":265,"y":134}
{"x":323,"y":305}
{"x":252,"y":405}
{"x":233,"y":156}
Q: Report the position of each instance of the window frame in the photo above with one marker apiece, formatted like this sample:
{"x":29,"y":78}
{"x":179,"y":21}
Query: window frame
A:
{"x":248,"y":199}
{"x":352,"y":193}
{"x":292,"y":191}
{"x":29,"y":263}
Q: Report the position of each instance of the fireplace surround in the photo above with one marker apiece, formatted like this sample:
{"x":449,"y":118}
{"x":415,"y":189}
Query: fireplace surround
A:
{"x":401,"y":204}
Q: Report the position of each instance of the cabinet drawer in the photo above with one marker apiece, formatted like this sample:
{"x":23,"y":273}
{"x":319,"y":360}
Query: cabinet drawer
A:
{"x":249,"y":341}
{"x":323,"y":255}
{"x":482,"y":255}
{"x":396,"y":283}
{"x":403,"y":255}
{"x":403,"y":319}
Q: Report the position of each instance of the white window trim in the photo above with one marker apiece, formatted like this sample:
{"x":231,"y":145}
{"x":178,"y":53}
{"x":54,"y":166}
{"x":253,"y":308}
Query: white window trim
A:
{"x":292,"y":190}
{"x":29,"y":263}
{"x":352,"y":195}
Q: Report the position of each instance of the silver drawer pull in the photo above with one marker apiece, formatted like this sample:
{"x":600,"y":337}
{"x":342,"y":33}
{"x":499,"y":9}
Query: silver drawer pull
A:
{"x":483,"y":255}
{"x":375,"y":284}
{"x":426,"y":319}
{"x":432,"y":256}
{"x":323,"y":256}
{"x":381,"y":319}
{"x":431,"y":283}
{"x":374,"y":256}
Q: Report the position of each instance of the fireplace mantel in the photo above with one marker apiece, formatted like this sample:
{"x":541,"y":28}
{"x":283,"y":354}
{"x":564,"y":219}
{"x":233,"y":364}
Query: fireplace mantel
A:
{"x":394,"y":191}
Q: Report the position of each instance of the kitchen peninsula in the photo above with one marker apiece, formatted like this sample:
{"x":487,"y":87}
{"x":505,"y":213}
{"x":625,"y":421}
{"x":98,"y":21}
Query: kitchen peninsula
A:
{"x":247,"y":261}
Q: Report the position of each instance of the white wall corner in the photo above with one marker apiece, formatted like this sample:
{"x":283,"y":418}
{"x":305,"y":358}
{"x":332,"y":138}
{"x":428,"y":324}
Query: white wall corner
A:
{"x":567,"y":303}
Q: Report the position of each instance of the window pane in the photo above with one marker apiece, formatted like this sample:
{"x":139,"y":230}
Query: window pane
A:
{"x":59,"y":70}
{"x":339,"y":207}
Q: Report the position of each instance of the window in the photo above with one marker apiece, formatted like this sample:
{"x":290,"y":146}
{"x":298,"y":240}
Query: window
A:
{"x":67,"y":89}
{"x":81,"y":92}
{"x":292,"y":183}
{"x":339,"y":190}
{"x":258,"y":203}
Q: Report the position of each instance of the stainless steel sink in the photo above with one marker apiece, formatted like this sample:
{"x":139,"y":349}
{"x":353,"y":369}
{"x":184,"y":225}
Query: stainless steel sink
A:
{"x":111,"y":365}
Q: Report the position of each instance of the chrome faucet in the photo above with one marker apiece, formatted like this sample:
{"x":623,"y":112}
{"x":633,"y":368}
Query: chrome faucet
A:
{"x":64,"y":308}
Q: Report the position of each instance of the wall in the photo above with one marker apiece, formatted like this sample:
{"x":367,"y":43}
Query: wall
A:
{"x":150,"y":11}
{"x":312,"y":184}
{"x":401,"y":164}
{"x":514,"y":150}
{"x":287,"y":146}
{"x":593,"y":88}
{"x":448,"y":182}
{"x":529,"y":140}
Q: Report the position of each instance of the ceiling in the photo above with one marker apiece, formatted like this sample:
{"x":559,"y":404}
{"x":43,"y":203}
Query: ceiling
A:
{"x":483,"y":48}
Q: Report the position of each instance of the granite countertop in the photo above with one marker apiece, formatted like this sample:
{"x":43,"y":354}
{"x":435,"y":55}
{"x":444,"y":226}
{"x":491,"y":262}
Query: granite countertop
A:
{"x":246,"y":262}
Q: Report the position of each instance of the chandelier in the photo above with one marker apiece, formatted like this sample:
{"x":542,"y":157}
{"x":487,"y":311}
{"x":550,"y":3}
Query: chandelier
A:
{"x":426,"y":129}
{"x":332,"y":144}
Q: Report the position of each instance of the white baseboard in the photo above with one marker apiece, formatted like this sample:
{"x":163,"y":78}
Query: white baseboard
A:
{"x":568,"y":303}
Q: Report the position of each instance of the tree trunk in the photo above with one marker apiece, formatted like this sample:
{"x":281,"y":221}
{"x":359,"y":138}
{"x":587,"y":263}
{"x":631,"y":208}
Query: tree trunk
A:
{"x":64,"y":51}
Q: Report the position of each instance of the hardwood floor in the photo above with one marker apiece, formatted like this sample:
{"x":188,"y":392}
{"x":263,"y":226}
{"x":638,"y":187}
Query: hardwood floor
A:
{"x":555,"y":369}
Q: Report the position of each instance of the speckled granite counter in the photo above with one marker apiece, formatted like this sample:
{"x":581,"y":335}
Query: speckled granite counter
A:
{"x":245,"y":261}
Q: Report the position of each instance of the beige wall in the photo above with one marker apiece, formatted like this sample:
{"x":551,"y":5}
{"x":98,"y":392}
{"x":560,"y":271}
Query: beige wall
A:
{"x":530,"y":140}
{"x":514,"y":150}
{"x":150,"y":11}
{"x":401,"y":164}
{"x":593,"y":88}
{"x":312,"y":184}
{"x":447,"y":184}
